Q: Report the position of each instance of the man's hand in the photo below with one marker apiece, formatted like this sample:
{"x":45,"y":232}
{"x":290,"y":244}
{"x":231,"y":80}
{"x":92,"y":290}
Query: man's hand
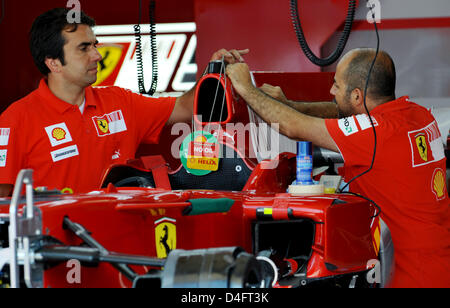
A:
{"x":185,"y":104}
{"x":239,"y":75}
{"x":230,"y":56}
{"x":274,"y":91}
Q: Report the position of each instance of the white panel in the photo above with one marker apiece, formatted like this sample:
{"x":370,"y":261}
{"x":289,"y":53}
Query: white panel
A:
{"x":393,"y":9}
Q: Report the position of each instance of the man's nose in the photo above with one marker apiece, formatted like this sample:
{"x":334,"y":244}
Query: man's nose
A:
{"x":96,"y":56}
{"x":333,"y":90}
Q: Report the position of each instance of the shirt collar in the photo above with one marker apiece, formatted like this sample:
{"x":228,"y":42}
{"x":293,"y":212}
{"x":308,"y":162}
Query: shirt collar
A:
{"x":60,"y":105}
{"x":397,"y":103}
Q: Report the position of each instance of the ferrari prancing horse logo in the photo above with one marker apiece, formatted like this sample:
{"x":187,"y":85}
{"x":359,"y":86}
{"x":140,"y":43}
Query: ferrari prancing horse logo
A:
{"x":165,"y":236}
{"x":103,"y":126}
{"x":421,"y":143}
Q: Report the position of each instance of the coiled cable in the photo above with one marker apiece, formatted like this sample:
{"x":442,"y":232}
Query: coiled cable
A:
{"x":154,"y":51}
{"x":342,"y":41}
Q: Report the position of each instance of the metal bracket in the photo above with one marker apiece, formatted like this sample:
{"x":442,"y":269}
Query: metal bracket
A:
{"x":22,"y":228}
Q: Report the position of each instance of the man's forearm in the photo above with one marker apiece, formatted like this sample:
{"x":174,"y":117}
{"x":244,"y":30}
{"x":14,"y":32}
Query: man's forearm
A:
{"x":324,"y":110}
{"x":295,"y":125}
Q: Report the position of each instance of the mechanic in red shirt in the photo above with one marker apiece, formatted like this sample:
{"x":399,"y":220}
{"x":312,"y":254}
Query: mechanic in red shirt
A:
{"x":68,"y":132}
{"x":408,"y":179}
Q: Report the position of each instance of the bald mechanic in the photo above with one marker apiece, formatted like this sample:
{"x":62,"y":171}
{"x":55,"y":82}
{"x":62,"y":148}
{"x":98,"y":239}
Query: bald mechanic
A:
{"x":408,"y":178}
{"x":68,"y":132}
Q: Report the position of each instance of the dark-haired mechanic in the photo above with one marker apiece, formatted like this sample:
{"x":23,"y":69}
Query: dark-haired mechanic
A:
{"x":408,"y":179}
{"x":69,"y":132}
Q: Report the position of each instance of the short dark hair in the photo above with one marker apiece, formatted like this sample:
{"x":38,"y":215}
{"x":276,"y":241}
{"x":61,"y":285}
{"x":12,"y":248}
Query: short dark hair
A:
{"x":382,"y":79}
{"x":46,"y":39}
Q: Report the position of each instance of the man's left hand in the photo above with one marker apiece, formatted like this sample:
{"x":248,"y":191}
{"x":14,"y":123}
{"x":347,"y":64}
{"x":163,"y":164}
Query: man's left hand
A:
{"x":230,"y":56}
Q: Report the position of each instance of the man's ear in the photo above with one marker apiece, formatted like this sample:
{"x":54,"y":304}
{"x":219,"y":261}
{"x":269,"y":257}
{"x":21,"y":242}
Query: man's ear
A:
{"x":54,"y":65}
{"x":357,"y":97}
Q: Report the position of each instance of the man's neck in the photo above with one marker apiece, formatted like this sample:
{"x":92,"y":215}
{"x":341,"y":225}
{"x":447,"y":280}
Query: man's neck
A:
{"x":375,"y":103}
{"x":68,"y":92}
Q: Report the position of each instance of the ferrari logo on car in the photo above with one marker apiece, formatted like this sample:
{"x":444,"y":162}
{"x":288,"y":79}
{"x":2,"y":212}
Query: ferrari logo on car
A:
{"x":165,"y":237}
{"x":421,"y":143}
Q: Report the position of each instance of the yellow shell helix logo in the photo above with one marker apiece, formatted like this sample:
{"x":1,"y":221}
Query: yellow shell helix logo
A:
{"x":438,"y":184}
{"x":165,"y":236}
{"x":59,"y":134}
{"x":111,"y":56}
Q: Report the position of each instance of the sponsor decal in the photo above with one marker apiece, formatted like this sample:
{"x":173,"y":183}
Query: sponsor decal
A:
{"x":426,"y":145}
{"x":3,"y":154}
{"x":58,"y":134}
{"x":110,"y":124}
{"x":67,"y":191}
{"x":364,"y":121}
{"x":438,"y":185}
{"x":4,"y":136}
{"x":348,"y":126}
{"x":422,"y":146}
{"x":200,"y":153}
{"x":165,"y":236}
{"x":116,"y":155}
{"x":176,"y":45}
{"x":375,"y":230}
{"x":65,"y":153}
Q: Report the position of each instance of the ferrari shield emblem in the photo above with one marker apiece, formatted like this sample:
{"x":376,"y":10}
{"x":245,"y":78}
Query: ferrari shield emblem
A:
{"x":165,"y":237}
{"x":103,"y":126}
{"x":421,"y":143}
{"x":111,"y":57}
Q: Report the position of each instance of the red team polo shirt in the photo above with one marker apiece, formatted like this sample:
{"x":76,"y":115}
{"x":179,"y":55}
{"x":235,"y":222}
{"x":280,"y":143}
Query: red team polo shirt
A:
{"x":408,"y":182}
{"x":67,"y":149}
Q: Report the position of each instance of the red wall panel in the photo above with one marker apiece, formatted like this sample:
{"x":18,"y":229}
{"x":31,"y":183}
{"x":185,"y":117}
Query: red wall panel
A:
{"x":265,"y":27}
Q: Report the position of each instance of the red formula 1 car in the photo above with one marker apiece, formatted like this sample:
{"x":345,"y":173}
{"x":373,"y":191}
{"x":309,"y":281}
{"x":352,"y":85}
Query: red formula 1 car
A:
{"x":234,"y":225}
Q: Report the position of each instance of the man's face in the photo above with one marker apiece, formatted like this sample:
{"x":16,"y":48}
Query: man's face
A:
{"x":81,"y":57}
{"x":340,"y":93}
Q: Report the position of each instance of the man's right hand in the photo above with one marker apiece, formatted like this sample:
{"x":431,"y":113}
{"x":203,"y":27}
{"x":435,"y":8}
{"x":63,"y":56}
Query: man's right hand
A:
{"x":239,"y":74}
{"x":274,"y":91}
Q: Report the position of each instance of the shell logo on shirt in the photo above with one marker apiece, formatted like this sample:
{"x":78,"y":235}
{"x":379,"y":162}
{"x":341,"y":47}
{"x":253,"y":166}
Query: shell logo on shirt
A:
{"x":109,"y":124}
{"x":58,"y":134}
{"x":438,"y":184}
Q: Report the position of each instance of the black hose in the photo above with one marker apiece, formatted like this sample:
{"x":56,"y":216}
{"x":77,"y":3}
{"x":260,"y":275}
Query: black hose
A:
{"x":342,"y":41}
